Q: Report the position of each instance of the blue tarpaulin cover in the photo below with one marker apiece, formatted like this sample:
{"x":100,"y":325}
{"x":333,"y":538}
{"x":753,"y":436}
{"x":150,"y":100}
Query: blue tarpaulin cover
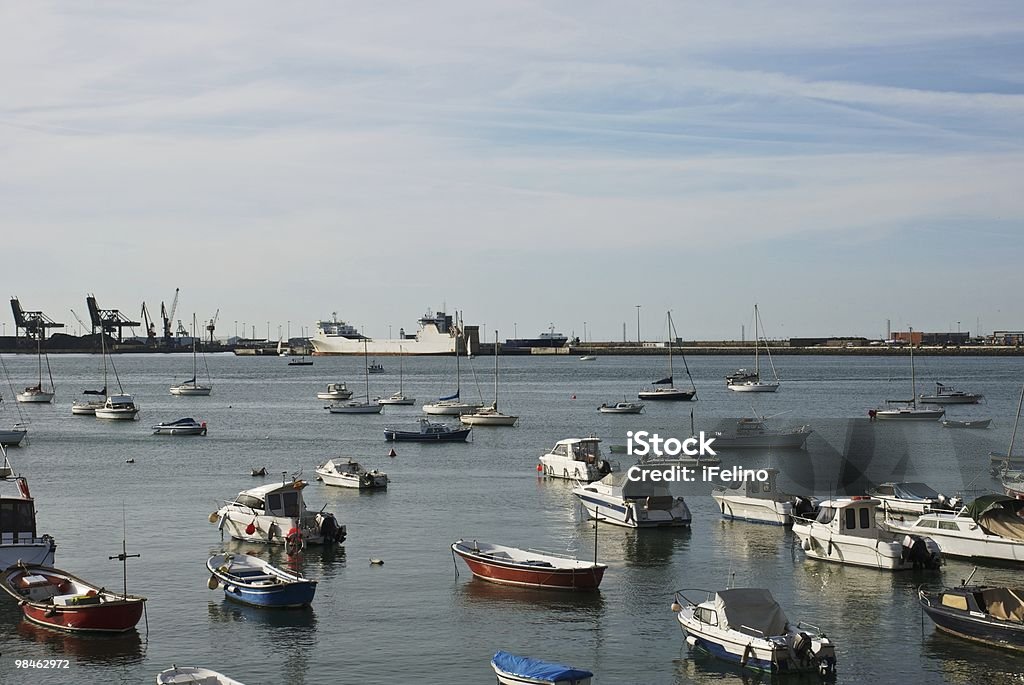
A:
{"x":526,"y":667}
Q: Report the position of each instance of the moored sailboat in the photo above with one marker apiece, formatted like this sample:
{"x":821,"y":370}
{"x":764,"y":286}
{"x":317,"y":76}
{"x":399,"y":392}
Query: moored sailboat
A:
{"x":36,"y":394}
{"x":191,"y":387}
{"x":665,"y":390}
{"x":743,"y":381}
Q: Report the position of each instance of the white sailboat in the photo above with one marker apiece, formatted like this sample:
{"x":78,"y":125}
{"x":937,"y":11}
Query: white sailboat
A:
{"x":36,"y":394}
{"x":191,"y":387}
{"x":452,"y":405}
{"x":120,"y":407}
{"x":399,"y":397}
{"x":490,"y":416}
{"x":589,"y":355}
{"x":753,"y":383}
{"x":356,"y":407}
{"x":669,"y":391}
{"x":909,"y":411}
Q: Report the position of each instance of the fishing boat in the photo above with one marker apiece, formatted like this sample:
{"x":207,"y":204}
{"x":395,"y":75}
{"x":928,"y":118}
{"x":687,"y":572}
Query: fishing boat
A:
{"x":991,"y":527}
{"x":350,"y":474}
{"x":971,"y":423}
{"x":747,"y":626}
{"x":186,"y":426}
{"x":57,"y":599}
{"x":752,"y":433}
{"x":741,"y":381}
{"x":576,"y":459}
{"x":191,"y":387}
{"x":19,"y":539}
{"x":623,"y":407}
{"x":912,"y":498}
{"x":399,"y":397}
{"x":355,"y":406}
{"x":193,"y":675}
{"x":947,"y":394}
{"x":335,"y":391}
{"x":907,"y":410}
{"x":250,"y":580}
{"x":428,"y":431}
{"x":621,"y":501}
{"x":523,"y":670}
{"x":12,"y":437}
{"x":119,"y":407}
{"x":490,"y":416}
{"x":981,"y":613}
{"x":376,"y":367}
{"x":452,"y":405}
{"x":528,"y":568}
{"x":36,"y":394}
{"x":277,"y":514}
{"x":665,"y":390}
{"x":760,"y":501}
{"x":845,"y":531}
{"x":301,"y":360}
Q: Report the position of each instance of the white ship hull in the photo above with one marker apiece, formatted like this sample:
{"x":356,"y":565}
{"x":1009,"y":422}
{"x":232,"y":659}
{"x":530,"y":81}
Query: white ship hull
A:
{"x":35,"y":397}
{"x":818,"y":542}
{"x":191,"y":390}
{"x":755,"y":509}
{"x":427,"y":344}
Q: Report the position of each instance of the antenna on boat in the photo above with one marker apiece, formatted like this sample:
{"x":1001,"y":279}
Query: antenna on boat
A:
{"x":124,"y":556}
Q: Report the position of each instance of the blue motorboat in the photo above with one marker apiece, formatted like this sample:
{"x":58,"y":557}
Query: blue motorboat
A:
{"x":522,"y":670}
{"x":980,"y":613}
{"x":429,"y":431}
{"x":252,"y":581}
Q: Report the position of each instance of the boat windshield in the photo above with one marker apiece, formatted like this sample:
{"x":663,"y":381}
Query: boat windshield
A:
{"x":16,"y":517}
{"x":825,"y":515}
{"x":587,"y":451}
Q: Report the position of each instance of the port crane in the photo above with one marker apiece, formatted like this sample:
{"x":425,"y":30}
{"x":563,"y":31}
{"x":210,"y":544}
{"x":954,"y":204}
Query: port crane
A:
{"x":150,"y":325}
{"x":108,"y":320}
{"x":33,"y":323}
{"x":168,"y":317}
{"x":81,"y":324}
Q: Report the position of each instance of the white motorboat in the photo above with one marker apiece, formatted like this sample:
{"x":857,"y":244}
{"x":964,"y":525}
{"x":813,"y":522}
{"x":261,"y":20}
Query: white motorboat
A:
{"x":350,"y":474}
{"x":947,"y":394}
{"x":743,"y":381}
{"x":845,"y":531}
{"x":399,"y":397}
{"x":588,"y":357}
{"x":748,"y":627}
{"x":664,"y":388}
{"x":490,"y":416}
{"x":120,"y":407}
{"x":192,"y":388}
{"x":86,"y":407}
{"x":907,"y":410}
{"x":277,"y":514}
{"x":336,"y":392}
{"x":969,"y":423}
{"x":193,"y":675}
{"x":187,"y":426}
{"x":12,"y":437}
{"x":751,"y":433}
{"x":761,"y":501}
{"x":621,"y":408}
{"x":35,"y":394}
{"x":19,"y":539}
{"x":912,"y":498}
{"x":620,"y":501}
{"x":990,"y":528}
{"x":576,"y":459}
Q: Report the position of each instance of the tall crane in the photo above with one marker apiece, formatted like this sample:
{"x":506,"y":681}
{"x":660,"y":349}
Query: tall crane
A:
{"x":82,"y":325}
{"x":210,"y":327}
{"x":150,"y":325}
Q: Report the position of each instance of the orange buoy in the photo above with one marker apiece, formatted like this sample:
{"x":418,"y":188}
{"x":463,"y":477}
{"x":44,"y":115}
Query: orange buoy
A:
{"x":540,"y":467}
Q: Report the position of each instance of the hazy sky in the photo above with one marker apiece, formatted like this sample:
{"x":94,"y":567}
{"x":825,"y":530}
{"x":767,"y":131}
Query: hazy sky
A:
{"x":524,"y":162}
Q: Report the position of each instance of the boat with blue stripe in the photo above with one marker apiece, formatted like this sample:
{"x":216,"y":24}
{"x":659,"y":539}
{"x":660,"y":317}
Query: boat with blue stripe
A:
{"x":255,"y":582}
{"x":524,"y":670}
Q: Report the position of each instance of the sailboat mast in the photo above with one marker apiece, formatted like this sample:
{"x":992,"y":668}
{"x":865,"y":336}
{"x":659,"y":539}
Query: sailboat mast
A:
{"x":670,"y":341}
{"x":401,"y":369}
{"x":757,"y":368}
{"x":366,"y":372}
{"x":103,"y":353}
{"x":458,"y":370}
{"x":913,"y":375}
{"x":495,"y":369}
{"x":194,"y":373}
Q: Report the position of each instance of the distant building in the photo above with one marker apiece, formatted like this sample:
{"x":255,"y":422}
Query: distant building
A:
{"x":1007,"y":338}
{"x":923,"y":338}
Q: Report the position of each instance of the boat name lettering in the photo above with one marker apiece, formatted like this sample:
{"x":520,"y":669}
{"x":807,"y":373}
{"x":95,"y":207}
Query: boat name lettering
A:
{"x":638,"y":445}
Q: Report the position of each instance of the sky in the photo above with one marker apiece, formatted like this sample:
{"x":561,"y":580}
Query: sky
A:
{"x":842,"y":164}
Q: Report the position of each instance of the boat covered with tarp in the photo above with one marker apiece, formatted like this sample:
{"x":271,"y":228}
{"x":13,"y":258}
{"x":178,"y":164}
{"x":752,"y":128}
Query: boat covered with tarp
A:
{"x":991,"y":615}
{"x":514,"y":669}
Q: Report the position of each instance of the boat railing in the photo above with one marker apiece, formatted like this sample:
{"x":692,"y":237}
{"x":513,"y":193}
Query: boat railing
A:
{"x":679,"y":594}
{"x":813,"y":627}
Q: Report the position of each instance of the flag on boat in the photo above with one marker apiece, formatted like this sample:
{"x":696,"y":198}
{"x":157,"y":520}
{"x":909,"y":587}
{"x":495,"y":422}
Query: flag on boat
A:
{"x":450,"y":397}
{"x":664,"y":381}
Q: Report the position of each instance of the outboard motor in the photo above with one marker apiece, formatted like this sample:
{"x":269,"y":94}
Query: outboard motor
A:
{"x":922,"y":552}
{"x":803,"y":507}
{"x":603,"y":467}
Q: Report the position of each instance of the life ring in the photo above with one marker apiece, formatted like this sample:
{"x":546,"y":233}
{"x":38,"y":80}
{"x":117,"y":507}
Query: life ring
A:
{"x":294,"y":542}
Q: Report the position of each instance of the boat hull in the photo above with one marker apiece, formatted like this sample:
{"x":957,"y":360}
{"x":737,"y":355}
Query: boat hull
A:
{"x":753,"y":387}
{"x":982,"y":547}
{"x":909,"y":415}
{"x":950,"y":399}
{"x":981,"y":423}
{"x":443,"y":409}
{"x":33,"y":551}
{"x":178,"y":430}
{"x":456,"y":435}
{"x":35,"y":397}
{"x":974,"y":627}
{"x":10,"y":438}
{"x":85,"y":408}
{"x":184,"y":675}
{"x":400,"y":401}
{"x":116,"y":414}
{"x":635,"y":409}
{"x":290,"y":596}
{"x":372,"y":408}
{"x":506,"y":678}
{"x":818,"y":543}
{"x":584,"y":578}
{"x":488,"y":420}
{"x":671,"y":395}
{"x":629,"y":515}
{"x":191,"y":390}
{"x":755,"y":510}
{"x":425,"y":344}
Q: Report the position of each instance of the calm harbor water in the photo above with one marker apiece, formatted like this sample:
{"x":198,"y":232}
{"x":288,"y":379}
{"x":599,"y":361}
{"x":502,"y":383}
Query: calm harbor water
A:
{"x":414,"y":619}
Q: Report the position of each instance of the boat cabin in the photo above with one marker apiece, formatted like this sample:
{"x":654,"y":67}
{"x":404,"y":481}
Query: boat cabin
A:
{"x":17,"y":516}
{"x":998,"y":602}
{"x":120,"y":402}
{"x":751,"y":487}
{"x":586,"y":450}
{"x":850,"y":516}
{"x":274,"y":500}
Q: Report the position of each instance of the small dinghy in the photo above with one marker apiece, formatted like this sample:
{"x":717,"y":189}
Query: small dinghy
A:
{"x":522,"y":670}
{"x":57,"y":599}
{"x":528,"y":568}
{"x":193,"y":675}
{"x":974,"y":423}
{"x":187,"y":426}
{"x":255,"y":582}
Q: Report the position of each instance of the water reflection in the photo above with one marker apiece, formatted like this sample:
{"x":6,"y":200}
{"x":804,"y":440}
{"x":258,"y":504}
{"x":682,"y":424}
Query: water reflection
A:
{"x":564,"y":606}
{"x":298,"y":620}
{"x":704,"y":668}
{"x":964,"y":663}
{"x":320,"y":562}
{"x":108,"y":650}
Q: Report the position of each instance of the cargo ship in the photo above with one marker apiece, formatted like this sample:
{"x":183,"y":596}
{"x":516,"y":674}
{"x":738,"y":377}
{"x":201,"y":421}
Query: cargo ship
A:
{"x":438,"y":334}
